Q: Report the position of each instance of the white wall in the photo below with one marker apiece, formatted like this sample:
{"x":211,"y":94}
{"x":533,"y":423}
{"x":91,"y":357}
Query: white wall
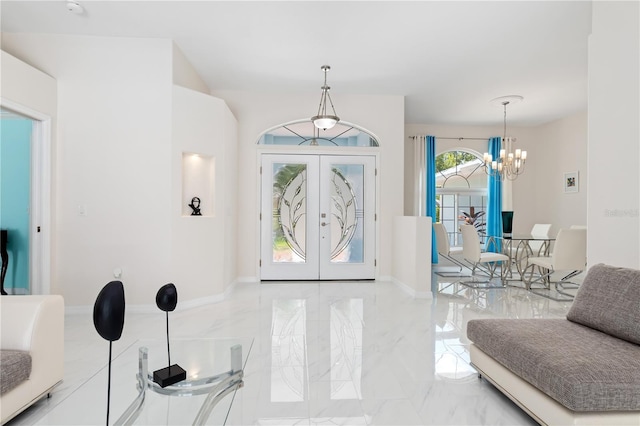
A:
{"x":537,"y":195}
{"x":26,"y":85}
{"x":613,"y":148}
{"x":561,"y":148}
{"x":184,"y":74}
{"x":118,"y":159}
{"x":203,"y":261}
{"x":35,"y":94}
{"x":257,"y":112}
{"x":114,"y":134}
{"x":411,"y":252}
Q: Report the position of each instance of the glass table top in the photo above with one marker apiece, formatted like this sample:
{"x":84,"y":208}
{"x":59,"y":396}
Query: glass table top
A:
{"x":527,"y":237}
{"x":201,"y":358}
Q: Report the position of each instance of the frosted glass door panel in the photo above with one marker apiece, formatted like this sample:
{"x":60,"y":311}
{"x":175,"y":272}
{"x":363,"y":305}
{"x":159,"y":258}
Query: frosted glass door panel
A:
{"x":318,"y":217}
{"x":288,"y":230}
{"x":347,"y":200}
{"x":289,"y":225}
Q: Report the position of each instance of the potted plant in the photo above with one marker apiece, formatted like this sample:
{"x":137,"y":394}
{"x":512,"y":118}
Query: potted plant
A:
{"x":472,"y":218}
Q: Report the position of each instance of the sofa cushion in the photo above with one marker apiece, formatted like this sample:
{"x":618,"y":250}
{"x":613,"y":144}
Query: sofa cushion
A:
{"x":581,"y":368}
{"x":15,"y":368}
{"x":609,"y":300}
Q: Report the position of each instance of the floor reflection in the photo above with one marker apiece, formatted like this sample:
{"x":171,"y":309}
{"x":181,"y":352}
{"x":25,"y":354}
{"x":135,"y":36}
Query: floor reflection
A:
{"x":288,"y":351}
{"x":331,"y":353}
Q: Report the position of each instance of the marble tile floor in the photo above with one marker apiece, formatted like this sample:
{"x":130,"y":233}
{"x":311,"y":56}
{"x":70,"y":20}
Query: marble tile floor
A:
{"x":333,"y":353}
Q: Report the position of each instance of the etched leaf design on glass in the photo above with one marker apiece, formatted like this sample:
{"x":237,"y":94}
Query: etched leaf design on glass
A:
{"x":290,"y":185}
{"x":343,"y":211}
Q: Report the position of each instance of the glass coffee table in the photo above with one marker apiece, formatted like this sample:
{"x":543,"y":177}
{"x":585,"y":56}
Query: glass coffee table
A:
{"x":215,"y":370}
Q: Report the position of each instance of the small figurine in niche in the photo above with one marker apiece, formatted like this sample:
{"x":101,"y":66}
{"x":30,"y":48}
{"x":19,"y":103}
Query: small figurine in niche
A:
{"x":195,"y":206}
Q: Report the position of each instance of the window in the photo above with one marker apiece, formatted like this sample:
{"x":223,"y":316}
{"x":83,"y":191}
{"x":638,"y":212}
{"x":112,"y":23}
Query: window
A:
{"x":303,"y":132}
{"x":461,"y":192}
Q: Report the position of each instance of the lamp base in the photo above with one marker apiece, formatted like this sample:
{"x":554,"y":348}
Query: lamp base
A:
{"x":169,"y":375}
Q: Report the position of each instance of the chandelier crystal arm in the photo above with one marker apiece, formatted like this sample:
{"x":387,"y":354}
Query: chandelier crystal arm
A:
{"x":509,"y":164}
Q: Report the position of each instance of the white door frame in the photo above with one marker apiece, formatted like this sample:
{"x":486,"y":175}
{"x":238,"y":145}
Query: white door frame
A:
{"x":371,"y":226}
{"x":40,"y":232}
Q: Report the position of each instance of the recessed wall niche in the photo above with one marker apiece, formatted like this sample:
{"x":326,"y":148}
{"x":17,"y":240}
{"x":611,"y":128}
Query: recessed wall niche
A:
{"x":198,"y":179}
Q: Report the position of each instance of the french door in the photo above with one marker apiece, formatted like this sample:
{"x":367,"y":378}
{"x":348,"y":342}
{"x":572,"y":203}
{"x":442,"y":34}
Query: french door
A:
{"x":318,"y":217}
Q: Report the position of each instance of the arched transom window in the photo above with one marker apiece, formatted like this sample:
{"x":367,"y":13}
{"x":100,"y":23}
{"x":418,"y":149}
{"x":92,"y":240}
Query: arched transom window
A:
{"x":303,"y":132}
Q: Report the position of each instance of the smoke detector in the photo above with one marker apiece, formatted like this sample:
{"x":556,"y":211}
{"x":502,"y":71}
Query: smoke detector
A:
{"x":74,"y":7}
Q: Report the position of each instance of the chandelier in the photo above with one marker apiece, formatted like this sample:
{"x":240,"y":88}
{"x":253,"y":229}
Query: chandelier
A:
{"x":323,"y":120}
{"x":510,"y":164}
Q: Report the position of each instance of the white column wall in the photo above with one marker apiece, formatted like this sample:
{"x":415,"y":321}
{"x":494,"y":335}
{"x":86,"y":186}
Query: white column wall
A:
{"x":613,"y":199}
{"x":256,"y":112}
{"x":412,"y":249}
{"x":202,"y":258}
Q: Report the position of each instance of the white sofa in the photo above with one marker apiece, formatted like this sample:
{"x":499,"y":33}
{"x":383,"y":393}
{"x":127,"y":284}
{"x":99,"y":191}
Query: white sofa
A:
{"x":34,"y":324}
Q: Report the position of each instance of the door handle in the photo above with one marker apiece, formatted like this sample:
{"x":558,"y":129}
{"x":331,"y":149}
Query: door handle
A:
{"x":324,"y":224}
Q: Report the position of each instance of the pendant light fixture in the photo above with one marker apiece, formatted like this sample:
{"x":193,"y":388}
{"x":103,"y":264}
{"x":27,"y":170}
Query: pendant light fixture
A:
{"x":510,"y":164}
{"x":323,"y":120}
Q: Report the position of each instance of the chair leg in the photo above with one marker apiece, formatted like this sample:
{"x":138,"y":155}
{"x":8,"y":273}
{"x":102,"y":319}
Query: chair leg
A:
{"x":544,"y":277}
{"x":527,"y":283}
{"x":546,"y":292}
{"x":565,"y":281}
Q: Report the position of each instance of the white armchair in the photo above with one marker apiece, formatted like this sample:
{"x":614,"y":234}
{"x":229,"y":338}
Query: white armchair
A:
{"x":34,"y":325}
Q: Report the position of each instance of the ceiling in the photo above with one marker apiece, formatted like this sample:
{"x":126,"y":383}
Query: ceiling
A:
{"x":448,"y":59}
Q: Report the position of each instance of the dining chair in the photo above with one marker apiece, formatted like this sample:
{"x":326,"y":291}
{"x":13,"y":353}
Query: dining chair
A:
{"x":569,"y":256}
{"x":539,"y":230}
{"x":526,"y":248}
{"x":485,"y":261}
{"x":444,"y":247}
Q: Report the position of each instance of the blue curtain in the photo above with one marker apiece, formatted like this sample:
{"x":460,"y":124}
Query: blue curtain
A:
{"x":431,"y":190}
{"x":494,"y":200}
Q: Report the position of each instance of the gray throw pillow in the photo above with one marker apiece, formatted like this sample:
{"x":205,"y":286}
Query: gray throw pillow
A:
{"x":16,"y":368}
{"x":609,"y":301}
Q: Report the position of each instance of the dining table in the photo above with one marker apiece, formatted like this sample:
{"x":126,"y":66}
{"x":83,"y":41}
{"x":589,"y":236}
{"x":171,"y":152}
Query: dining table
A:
{"x":518,"y":248}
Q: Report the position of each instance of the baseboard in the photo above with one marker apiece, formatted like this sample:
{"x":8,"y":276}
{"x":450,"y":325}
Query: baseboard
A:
{"x":412,"y":292}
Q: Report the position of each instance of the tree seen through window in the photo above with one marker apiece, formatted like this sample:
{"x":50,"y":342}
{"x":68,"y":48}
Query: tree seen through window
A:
{"x":461,"y":192}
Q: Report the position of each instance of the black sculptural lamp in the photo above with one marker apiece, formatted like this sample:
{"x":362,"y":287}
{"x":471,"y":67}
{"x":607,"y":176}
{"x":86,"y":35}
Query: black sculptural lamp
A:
{"x":108,"y":318}
{"x":167,"y":299}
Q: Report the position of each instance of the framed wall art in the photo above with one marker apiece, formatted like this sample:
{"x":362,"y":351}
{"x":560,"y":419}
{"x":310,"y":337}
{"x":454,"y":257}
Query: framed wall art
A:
{"x":571,"y":183}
